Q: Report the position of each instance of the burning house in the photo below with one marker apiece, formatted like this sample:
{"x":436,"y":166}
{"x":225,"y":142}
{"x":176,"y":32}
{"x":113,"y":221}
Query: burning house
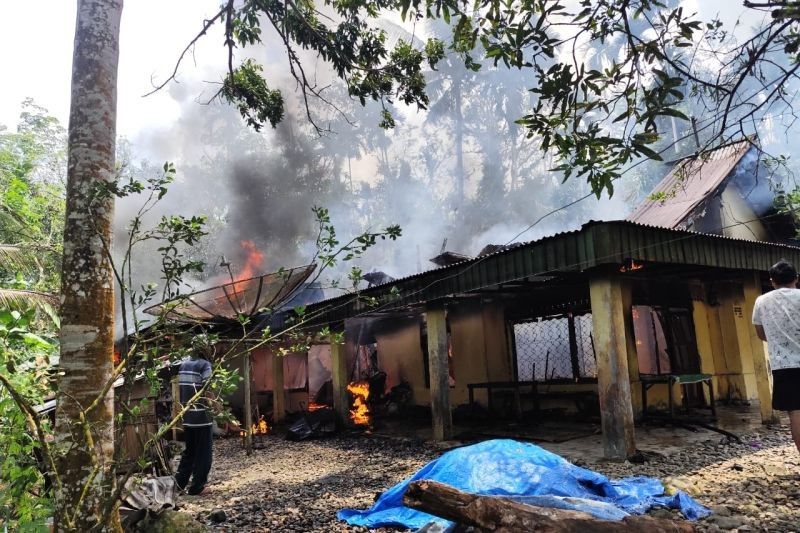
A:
{"x":613,"y":319}
{"x":618,"y":315}
{"x":616,"y":318}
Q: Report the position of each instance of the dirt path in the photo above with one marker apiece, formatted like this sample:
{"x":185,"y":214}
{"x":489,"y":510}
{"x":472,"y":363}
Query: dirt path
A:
{"x":752,"y":486}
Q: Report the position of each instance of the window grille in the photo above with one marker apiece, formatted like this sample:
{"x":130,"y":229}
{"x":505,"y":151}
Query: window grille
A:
{"x":555,"y":348}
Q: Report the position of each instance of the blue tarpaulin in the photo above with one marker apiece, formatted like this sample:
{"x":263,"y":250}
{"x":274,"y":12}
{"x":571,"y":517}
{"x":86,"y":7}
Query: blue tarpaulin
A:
{"x":527,"y":473}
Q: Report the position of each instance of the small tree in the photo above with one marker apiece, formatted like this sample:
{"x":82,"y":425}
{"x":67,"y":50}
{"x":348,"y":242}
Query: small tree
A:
{"x":153,"y":347}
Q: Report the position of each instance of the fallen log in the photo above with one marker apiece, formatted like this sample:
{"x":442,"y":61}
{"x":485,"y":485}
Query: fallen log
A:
{"x":492,"y":513}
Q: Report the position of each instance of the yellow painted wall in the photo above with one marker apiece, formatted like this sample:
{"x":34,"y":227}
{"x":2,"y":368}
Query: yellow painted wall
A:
{"x":400,"y":354}
{"x":735,"y":310}
{"x":479,"y":350}
{"x":499,"y":360}
{"x":468,"y":340}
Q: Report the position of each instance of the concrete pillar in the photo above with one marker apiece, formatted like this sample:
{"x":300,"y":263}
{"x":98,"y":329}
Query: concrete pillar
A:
{"x":761,"y":368}
{"x":439,"y":371}
{"x":613,"y":375}
{"x":278,"y":394}
{"x":703,"y":334}
{"x":341,"y":398}
{"x":731,"y":321}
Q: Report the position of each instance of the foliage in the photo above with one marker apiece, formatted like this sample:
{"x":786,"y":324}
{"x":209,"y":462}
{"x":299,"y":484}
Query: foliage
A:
{"x":32,"y":165}
{"x":350,"y":43}
{"x":595,"y":117}
{"x":149,"y":352}
{"x":26,"y":348}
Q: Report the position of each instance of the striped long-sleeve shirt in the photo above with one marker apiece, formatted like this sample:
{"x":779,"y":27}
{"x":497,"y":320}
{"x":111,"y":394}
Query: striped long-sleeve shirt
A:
{"x":192,"y":375}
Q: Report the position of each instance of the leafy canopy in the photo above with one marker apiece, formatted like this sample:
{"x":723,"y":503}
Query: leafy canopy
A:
{"x":607,"y":78}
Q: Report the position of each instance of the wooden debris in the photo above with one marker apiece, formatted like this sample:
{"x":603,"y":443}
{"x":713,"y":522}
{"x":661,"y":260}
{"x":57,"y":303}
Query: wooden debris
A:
{"x":491,"y":513}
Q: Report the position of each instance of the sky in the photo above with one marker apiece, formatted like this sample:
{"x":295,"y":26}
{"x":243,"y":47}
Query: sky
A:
{"x":152,"y":35}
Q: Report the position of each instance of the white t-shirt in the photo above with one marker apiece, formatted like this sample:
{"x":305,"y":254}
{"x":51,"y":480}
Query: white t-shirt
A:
{"x":778,"y":312}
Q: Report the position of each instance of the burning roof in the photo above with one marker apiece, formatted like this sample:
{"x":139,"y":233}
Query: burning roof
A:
{"x":226,"y":302}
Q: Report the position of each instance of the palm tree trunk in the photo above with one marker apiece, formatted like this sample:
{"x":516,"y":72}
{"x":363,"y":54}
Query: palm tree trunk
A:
{"x":85,"y":436}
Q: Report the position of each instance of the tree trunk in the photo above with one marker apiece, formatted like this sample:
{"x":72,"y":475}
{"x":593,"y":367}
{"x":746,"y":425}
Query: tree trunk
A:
{"x":85,"y":438}
{"x":491,"y":513}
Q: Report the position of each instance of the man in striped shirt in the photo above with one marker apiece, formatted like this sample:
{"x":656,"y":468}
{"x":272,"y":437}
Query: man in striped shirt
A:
{"x":197,"y":423}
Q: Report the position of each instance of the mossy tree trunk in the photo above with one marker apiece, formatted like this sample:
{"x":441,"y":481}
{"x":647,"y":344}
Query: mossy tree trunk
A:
{"x":85,"y":427}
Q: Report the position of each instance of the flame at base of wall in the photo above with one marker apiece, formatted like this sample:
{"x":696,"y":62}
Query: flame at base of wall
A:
{"x":359,"y":414}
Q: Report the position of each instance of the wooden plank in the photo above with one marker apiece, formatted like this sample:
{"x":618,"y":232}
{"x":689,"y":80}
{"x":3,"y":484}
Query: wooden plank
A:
{"x":439,"y":371}
{"x":278,"y":395}
{"x":613,"y":377}
{"x":752,"y":290}
{"x":492,"y":513}
{"x":339,"y":377}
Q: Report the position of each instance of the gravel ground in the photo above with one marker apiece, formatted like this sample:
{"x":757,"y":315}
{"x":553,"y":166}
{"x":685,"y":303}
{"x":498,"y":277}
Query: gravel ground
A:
{"x":752,"y":486}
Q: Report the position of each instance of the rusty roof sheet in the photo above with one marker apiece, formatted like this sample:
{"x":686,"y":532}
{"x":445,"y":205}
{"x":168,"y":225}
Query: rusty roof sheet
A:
{"x":227,"y":302}
{"x":690,"y":182}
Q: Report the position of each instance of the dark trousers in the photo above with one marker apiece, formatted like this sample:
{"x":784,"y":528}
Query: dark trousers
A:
{"x":196,"y":458}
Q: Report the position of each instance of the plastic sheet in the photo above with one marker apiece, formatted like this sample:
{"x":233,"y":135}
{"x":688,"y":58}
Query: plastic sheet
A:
{"x":520,"y":470}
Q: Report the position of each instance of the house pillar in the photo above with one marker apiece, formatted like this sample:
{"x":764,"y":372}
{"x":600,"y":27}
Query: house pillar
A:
{"x":278,"y":393}
{"x":740,"y":382}
{"x":439,"y":371}
{"x":761,"y":368}
{"x":613,"y":375}
{"x":341,"y":398}
{"x":704,"y":332}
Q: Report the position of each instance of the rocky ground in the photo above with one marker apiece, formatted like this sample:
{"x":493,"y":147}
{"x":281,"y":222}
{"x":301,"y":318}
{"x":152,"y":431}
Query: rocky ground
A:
{"x":288,"y":486}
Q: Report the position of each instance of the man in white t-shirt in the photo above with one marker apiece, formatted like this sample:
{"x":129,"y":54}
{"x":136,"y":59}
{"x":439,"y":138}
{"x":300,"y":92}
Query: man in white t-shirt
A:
{"x":776,"y":316}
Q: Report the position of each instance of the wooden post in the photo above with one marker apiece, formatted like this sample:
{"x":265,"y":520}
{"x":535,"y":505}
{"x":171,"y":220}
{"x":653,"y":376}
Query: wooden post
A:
{"x":278,"y":395}
{"x":248,"y":408}
{"x":761,"y":368}
{"x":439,"y":371}
{"x":613,"y":377}
{"x":341,"y":398}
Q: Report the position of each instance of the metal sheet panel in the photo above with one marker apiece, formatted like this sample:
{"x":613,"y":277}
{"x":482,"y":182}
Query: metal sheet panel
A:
{"x":594,"y":245}
{"x":687,"y":185}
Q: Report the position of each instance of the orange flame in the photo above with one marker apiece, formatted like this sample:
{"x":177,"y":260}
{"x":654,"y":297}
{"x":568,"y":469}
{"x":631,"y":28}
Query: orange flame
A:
{"x":262,"y":428}
{"x":314,"y":406}
{"x":254,"y":259}
{"x":631,"y":267}
{"x":359,"y":414}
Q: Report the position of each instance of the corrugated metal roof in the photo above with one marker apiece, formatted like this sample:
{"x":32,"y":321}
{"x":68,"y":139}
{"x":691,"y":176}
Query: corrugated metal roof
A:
{"x":691,"y":181}
{"x":595,"y":244}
